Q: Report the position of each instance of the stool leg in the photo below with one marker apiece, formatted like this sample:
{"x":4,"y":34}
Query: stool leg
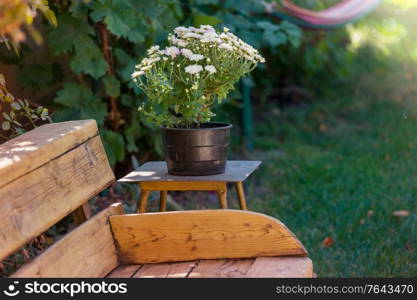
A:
{"x":241,"y":195}
{"x":163,"y":200}
{"x":222,"y":194}
{"x":144,"y":195}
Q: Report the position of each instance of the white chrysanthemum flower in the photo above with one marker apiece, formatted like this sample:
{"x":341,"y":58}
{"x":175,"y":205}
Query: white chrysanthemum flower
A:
{"x":209,"y":37}
{"x":207,"y":28}
{"x":172,"y":51}
{"x":195,"y":57}
{"x":186,"y":52}
{"x":226,"y":46}
{"x":193,"y":69}
{"x":211,"y":69}
{"x":137,"y":74}
{"x":225,"y":29}
{"x":179,"y":42}
{"x":259,"y":58}
{"x":192,"y":35}
{"x":180,"y":30}
{"x":146,"y":68}
{"x":153,"y":49}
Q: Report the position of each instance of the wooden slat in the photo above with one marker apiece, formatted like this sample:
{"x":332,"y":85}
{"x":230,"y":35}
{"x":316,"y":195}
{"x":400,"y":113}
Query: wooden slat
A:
{"x":37,"y":200}
{"x":124,"y":271}
{"x":222,"y":268}
{"x":33,"y":149}
{"x":207,"y":234}
{"x":88,"y":251}
{"x":281,"y":267}
{"x":165,"y":270}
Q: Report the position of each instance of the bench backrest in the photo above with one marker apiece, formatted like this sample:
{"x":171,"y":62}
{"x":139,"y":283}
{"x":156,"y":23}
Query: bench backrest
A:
{"x":45,"y":174}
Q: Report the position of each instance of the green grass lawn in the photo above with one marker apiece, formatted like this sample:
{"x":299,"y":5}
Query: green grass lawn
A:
{"x":339,"y":169}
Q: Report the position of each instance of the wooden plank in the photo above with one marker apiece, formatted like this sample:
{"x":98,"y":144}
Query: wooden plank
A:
{"x":124,"y":271}
{"x":183,"y":185}
{"x":281,"y":267}
{"x":166,"y":270}
{"x":82,"y":213}
{"x":236,"y":170}
{"x":34,"y":202}
{"x":207,"y":234}
{"x":87,"y":251}
{"x":222,"y":268}
{"x":33,"y":149}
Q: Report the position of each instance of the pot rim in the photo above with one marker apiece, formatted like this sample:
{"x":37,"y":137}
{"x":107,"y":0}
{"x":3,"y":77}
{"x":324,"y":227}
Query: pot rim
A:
{"x":220,"y":126}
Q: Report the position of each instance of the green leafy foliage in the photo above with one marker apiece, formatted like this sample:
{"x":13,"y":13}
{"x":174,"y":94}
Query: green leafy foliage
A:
{"x":114,"y":146}
{"x":79,"y":102}
{"x":97,"y":44}
{"x":120,"y":17}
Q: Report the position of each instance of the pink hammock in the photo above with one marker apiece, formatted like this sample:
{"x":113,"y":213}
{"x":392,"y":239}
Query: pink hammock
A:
{"x":342,"y":12}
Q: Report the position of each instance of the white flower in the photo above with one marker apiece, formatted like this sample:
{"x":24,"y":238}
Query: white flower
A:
{"x":149,"y":61}
{"x":259,"y":58}
{"x":195,"y":57}
{"x":226,"y":46}
{"x":153,"y":49}
{"x":181,"y":29}
{"x":210,"y":68}
{"x":146,"y":68}
{"x":179,"y":42}
{"x":192,"y":35}
{"x":207,"y":28}
{"x":137,"y":74}
{"x":172,"y":51}
{"x":186,"y":52}
{"x":193,"y":69}
{"x":209,"y":37}
{"x":225,"y":29}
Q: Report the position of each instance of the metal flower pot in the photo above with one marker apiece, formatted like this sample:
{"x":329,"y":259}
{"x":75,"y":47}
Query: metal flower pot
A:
{"x":197,"y":151}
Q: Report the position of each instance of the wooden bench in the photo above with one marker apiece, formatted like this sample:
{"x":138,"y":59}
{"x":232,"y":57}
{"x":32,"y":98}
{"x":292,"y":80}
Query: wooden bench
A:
{"x":55,"y":169}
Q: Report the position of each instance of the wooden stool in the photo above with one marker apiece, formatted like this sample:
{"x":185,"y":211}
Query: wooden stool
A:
{"x":153,"y":176}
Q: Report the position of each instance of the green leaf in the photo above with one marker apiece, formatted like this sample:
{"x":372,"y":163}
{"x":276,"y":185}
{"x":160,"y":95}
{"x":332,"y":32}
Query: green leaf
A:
{"x":275,"y":38}
{"x":133,"y":132}
{"x":121,"y":19}
{"x":43,"y":79}
{"x":267,"y":26}
{"x":88,"y":59}
{"x":68,"y":33}
{"x":127,"y":62}
{"x":206,"y":20}
{"x":73,"y":94}
{"x":111,"y":85}
{"x":206,"y":2}
{"x":114,"y":145}
{"x":81,"y":103}
{"x":293,"y":32}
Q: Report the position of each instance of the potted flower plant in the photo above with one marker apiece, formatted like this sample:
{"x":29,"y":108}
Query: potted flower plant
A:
{"x":182,"y":82}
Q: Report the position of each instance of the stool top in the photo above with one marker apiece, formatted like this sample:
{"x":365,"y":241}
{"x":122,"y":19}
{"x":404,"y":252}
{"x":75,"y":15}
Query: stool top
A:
{"x":236,"y":171}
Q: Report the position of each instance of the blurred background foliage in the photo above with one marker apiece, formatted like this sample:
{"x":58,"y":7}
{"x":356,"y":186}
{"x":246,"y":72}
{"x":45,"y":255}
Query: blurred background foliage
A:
{"x":334,"y":114}
{"x":94,"y":47}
